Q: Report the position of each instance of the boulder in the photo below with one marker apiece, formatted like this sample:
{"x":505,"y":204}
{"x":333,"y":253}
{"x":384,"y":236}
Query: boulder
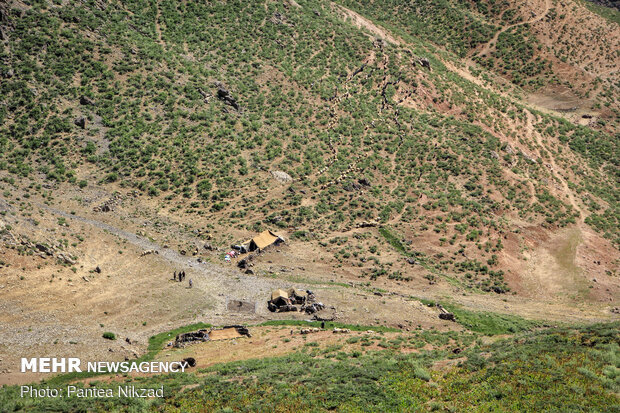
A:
{"x":190,"y":361}
{"x":44,"y":248}
{"x":224,"y":95}
{"x":425,"y":63}
{"x":81,"y":122}
{"x":86,"y":101}
{"x":509,"y":149}
{"x":281,"y":176}
{"x":66,"y":259}
{"x":447,"y":316}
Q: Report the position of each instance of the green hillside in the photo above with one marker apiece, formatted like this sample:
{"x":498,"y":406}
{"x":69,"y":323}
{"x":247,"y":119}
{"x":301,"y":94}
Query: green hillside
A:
{"x":360,"y":126}
{"x":555,"y":369}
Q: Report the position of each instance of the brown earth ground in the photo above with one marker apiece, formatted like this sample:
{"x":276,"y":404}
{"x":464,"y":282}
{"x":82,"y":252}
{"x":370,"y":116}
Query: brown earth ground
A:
{"x":55,"y":310}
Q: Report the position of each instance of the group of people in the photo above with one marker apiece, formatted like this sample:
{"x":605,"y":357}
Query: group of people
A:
{"x":181,"y":277}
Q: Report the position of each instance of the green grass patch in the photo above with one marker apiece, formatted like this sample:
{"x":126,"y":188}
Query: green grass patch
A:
{"x":491,"y":323}
{"x":394,"y":241}
{"x":555,"y":369}
{"x":329,"y":325}
{"x":608,"y":13}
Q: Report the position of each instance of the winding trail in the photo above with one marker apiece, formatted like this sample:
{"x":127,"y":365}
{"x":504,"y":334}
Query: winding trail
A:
{"x":554,"y":168}
{"x":491,"y":43}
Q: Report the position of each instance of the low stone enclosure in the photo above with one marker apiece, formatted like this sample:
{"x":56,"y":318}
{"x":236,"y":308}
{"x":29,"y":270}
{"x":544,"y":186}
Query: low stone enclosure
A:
{"x":239,"y":306}
{"x":214,"y":334}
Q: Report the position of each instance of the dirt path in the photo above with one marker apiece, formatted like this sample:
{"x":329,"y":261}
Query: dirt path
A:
{"x":158,"y":27}
{"x":362,"y":22}
{"x":491,"y":43}
{"x":214,"y":279}
{"x":532,"y":133}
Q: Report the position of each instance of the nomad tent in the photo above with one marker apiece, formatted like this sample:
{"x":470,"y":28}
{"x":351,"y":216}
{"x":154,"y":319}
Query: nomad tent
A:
{"x":263,"y":240}
{"x":280,"y":297}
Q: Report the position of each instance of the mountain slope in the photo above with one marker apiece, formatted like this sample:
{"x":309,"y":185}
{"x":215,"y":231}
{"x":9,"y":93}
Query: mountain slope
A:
{"x":420,"y":152}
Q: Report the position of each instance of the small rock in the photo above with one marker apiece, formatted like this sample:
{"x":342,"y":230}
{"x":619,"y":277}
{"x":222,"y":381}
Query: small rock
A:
{"x":81,"y":122}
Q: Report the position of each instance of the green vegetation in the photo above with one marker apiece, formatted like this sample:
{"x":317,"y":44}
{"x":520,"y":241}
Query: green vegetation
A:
{"x":109,"y":336}
{"x":329,"y":325}
{"x":484,"y":322}
{"x":394,"y":241}
{"x":609,"y":13}
{"x":555,"y":369}
{"x":491,"y":323}
{"x":421,"y":152}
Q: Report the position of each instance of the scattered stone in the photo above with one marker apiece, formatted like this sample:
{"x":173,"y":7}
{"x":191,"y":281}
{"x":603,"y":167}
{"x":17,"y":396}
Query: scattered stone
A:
{"x":528,"y":157}
{"x":367,"y":224}
{"x":147,"y":252}
{"x":44,"y":248}
{"x":110,"y":204}
{"x":309,"y":330}
{"x":364,"y":181}
{"x":341,"y":330}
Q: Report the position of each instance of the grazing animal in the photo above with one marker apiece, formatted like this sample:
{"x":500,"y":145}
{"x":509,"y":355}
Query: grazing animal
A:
{"x":191,"y":283}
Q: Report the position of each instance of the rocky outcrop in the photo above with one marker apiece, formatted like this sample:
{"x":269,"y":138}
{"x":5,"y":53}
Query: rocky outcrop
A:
{"x":224,"y":95}
{"x":281,"y":176}
{"x":110,"y":204}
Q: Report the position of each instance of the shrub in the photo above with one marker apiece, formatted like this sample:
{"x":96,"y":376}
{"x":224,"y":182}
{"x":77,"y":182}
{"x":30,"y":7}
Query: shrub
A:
{"x":109,"y":336}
